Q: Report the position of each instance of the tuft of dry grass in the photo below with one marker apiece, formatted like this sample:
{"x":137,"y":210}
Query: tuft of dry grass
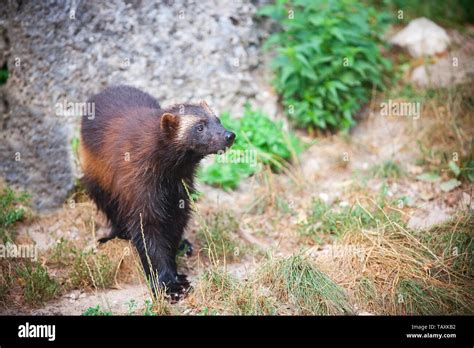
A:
{"x":393,"y":270}
{"x":218,"y":292}
{"x":445,"y":132}
{"x":219,"y":234}
{"x":106,"y":266}
{"x":297,"y":281}
{"x":123,"y":254}
{"x":288,"y":286}
{"x":92,"y":271}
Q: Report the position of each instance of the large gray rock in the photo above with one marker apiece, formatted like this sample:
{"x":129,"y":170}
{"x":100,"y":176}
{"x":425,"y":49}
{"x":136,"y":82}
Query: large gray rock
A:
{"x":64,"y":51}
{"x":453,"y":69}
{"x":456,"y":67}
{"x":422,"y":37}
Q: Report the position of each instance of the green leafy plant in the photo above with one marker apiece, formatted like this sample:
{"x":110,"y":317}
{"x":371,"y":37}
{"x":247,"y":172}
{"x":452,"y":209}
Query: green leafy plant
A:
{"x":12,"y":209}
{"x":148,"y":311}
{"x":38,"y":286}
{"x":457,"y":172}
{"x":327,"y":59}
{"x":469,"y":170}
{"x":259,"y":141}
{"x":96,"y":311}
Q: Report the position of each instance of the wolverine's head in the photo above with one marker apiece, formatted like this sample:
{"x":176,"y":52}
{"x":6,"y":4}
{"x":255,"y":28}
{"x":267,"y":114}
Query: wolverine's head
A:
{"x":196,"y":128}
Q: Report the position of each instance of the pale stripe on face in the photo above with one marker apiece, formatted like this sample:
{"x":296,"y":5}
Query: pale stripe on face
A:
{"x":185,"y":123}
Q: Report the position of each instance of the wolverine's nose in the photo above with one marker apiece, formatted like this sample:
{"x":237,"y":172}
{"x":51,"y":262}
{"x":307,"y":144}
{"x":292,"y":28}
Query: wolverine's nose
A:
{"x":229,"y":137}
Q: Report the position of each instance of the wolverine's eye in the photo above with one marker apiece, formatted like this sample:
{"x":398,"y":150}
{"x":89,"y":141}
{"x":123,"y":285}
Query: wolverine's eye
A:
{"x":200,"y":128}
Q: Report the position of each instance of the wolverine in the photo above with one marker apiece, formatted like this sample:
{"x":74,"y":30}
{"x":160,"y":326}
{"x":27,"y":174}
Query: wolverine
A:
{"x":139,"y":162}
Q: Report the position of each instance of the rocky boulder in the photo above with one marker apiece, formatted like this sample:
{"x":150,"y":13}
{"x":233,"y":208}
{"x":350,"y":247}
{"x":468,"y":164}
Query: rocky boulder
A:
{"x":422,"y":37}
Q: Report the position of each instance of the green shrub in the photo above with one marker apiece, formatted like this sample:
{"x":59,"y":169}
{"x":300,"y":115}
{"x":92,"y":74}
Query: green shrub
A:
{"x":327,"y":59}
{"x":259,"y":140}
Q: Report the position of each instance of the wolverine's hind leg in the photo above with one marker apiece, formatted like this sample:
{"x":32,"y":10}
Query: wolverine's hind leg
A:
{"x":107,"y":205}
{"x":113,"y":234}
{"x":117,"y":228}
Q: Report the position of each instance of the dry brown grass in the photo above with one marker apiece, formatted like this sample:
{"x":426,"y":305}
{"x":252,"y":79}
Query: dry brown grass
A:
{"x":445,"y":129}
{"x":392,"y":270}
{"x":218,"y":292}
{"x":279,"y":286}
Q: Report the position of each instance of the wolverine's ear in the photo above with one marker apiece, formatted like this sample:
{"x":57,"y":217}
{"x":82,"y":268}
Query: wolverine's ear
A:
{"x":169,"y":122}
{"x":205,"y":106}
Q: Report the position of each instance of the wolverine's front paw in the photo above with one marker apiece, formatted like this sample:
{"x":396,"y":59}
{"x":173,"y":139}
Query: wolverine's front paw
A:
{"x":186,"y":247}
{"x":177,"y":288}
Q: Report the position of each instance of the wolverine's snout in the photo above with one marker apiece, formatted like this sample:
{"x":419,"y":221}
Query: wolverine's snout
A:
{"x":229,"y":138}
